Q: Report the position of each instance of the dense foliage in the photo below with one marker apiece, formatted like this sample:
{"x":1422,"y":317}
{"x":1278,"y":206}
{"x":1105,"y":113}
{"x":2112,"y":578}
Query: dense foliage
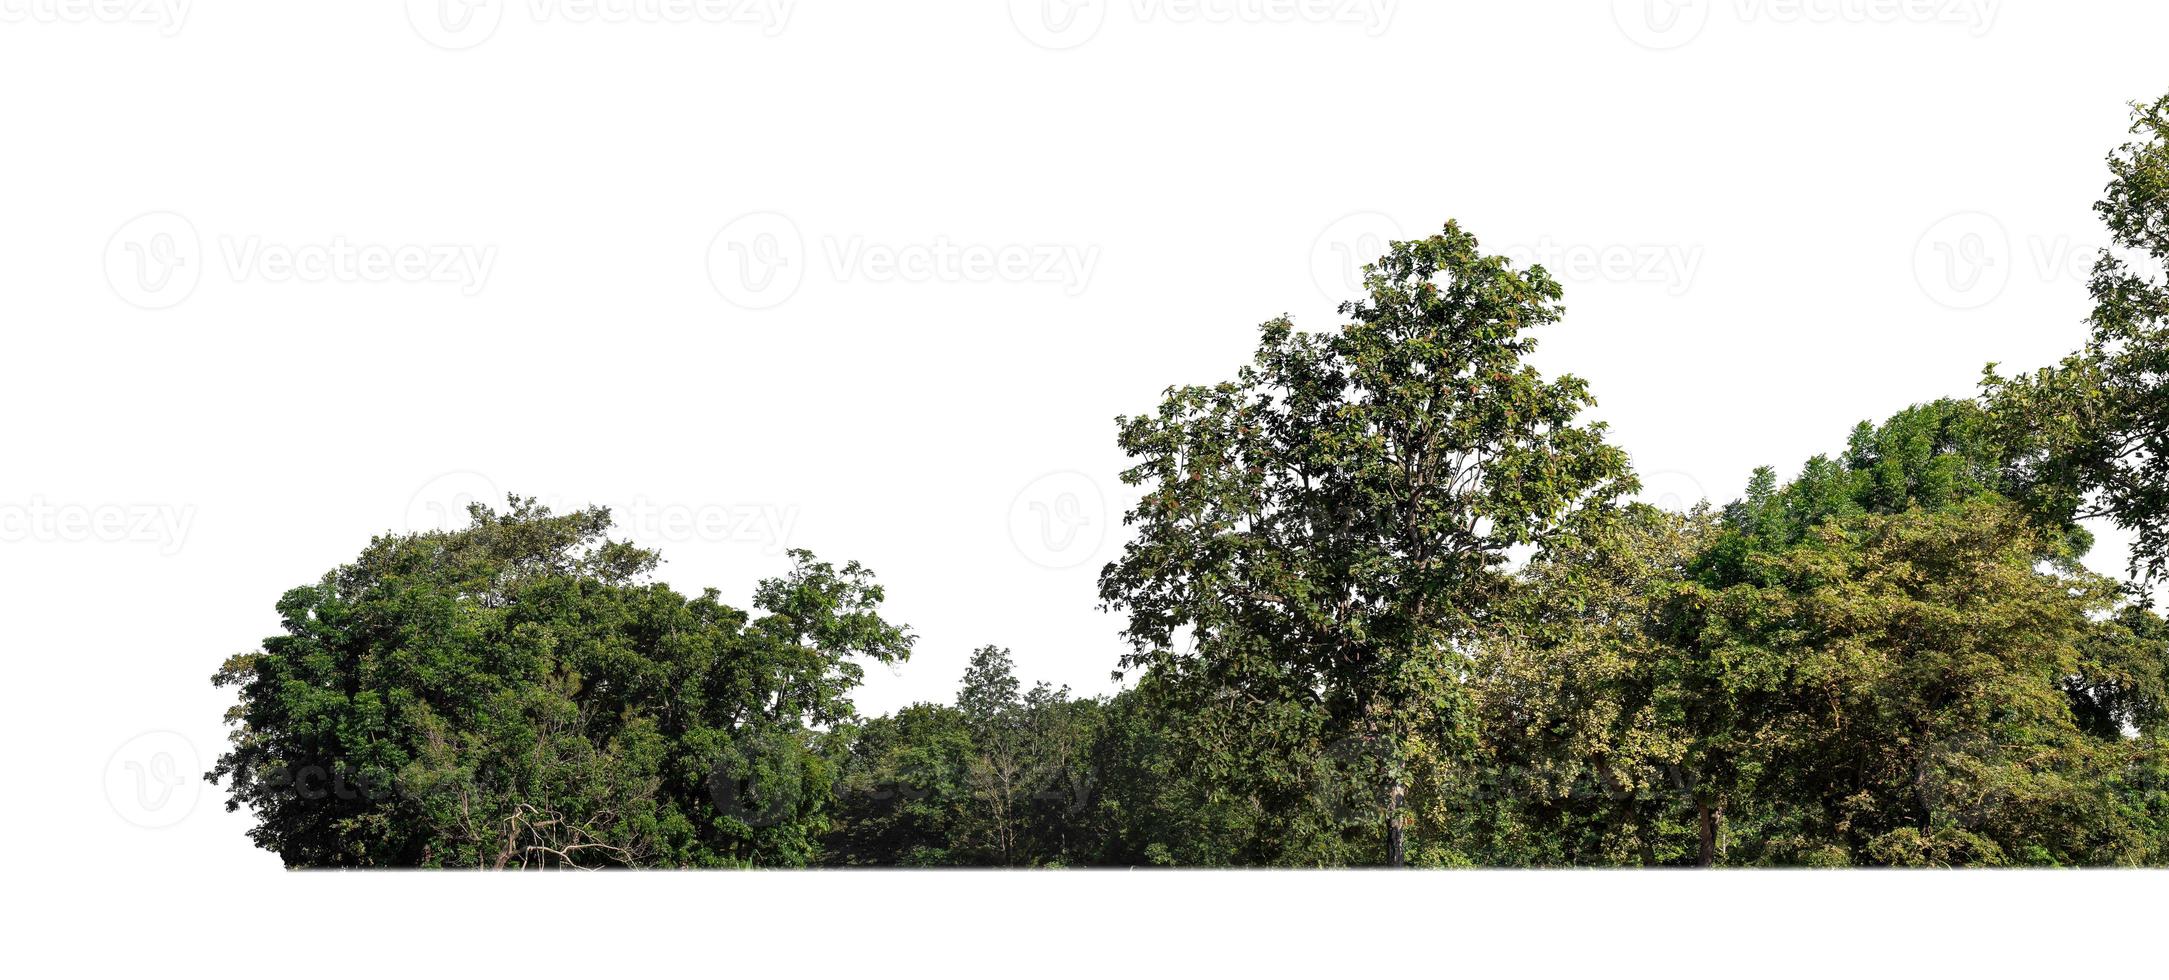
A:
{"x":1894,"y":657}
{"x":514,"y":695}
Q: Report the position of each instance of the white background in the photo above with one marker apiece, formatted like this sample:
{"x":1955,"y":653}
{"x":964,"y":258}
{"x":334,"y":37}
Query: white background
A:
{"x":708,"y":302}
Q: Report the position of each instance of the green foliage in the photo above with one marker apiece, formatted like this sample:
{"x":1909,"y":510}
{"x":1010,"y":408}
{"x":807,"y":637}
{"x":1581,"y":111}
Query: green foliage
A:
{"x":1601,"y":733}
{"x":1934,"y":455}
{"x":1322,"y":532}
{"x":1894,"y":658}
{"x":2094,"y":429}
{"x":1000,"y":779}
{"x":516,"y":694}
{"x":1911,"y":710}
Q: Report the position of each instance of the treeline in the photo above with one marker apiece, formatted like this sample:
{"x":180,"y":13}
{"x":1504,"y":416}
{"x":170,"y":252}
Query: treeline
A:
{"x":1893,"y":657}
{"x":1884,"y":661}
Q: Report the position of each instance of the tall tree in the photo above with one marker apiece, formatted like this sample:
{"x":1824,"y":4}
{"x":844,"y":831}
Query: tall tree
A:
{"x":1323,"y":533}
{"x":2095,"y":428}
{"x":1000,"y":769}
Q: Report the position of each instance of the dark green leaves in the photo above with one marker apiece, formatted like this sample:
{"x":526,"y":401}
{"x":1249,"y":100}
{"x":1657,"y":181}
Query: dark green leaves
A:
{"x":515,"y":695}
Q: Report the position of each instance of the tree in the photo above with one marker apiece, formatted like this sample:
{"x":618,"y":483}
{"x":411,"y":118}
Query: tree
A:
{"x":998,"y":779}
{"x":1593,"y":715}
{"x":1000,"y":769}
{"x":2095,"y":428}
{"x":1911,"y":708}
{"x":517,"y":694}
{"x":1885,"y":661}
{"x":904,"y":797}
{"x":1325,"y":531}
{"x":1915,"y":667}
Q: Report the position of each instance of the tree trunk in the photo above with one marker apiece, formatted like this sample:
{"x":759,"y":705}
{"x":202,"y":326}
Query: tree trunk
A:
{"x":1396,"y":849}
{"x":1707,"y":856}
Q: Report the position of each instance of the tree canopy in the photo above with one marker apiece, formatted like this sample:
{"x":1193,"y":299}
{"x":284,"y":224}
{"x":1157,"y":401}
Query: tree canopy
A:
{"x":1386,"y":601}
{"x":517,"y":694}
